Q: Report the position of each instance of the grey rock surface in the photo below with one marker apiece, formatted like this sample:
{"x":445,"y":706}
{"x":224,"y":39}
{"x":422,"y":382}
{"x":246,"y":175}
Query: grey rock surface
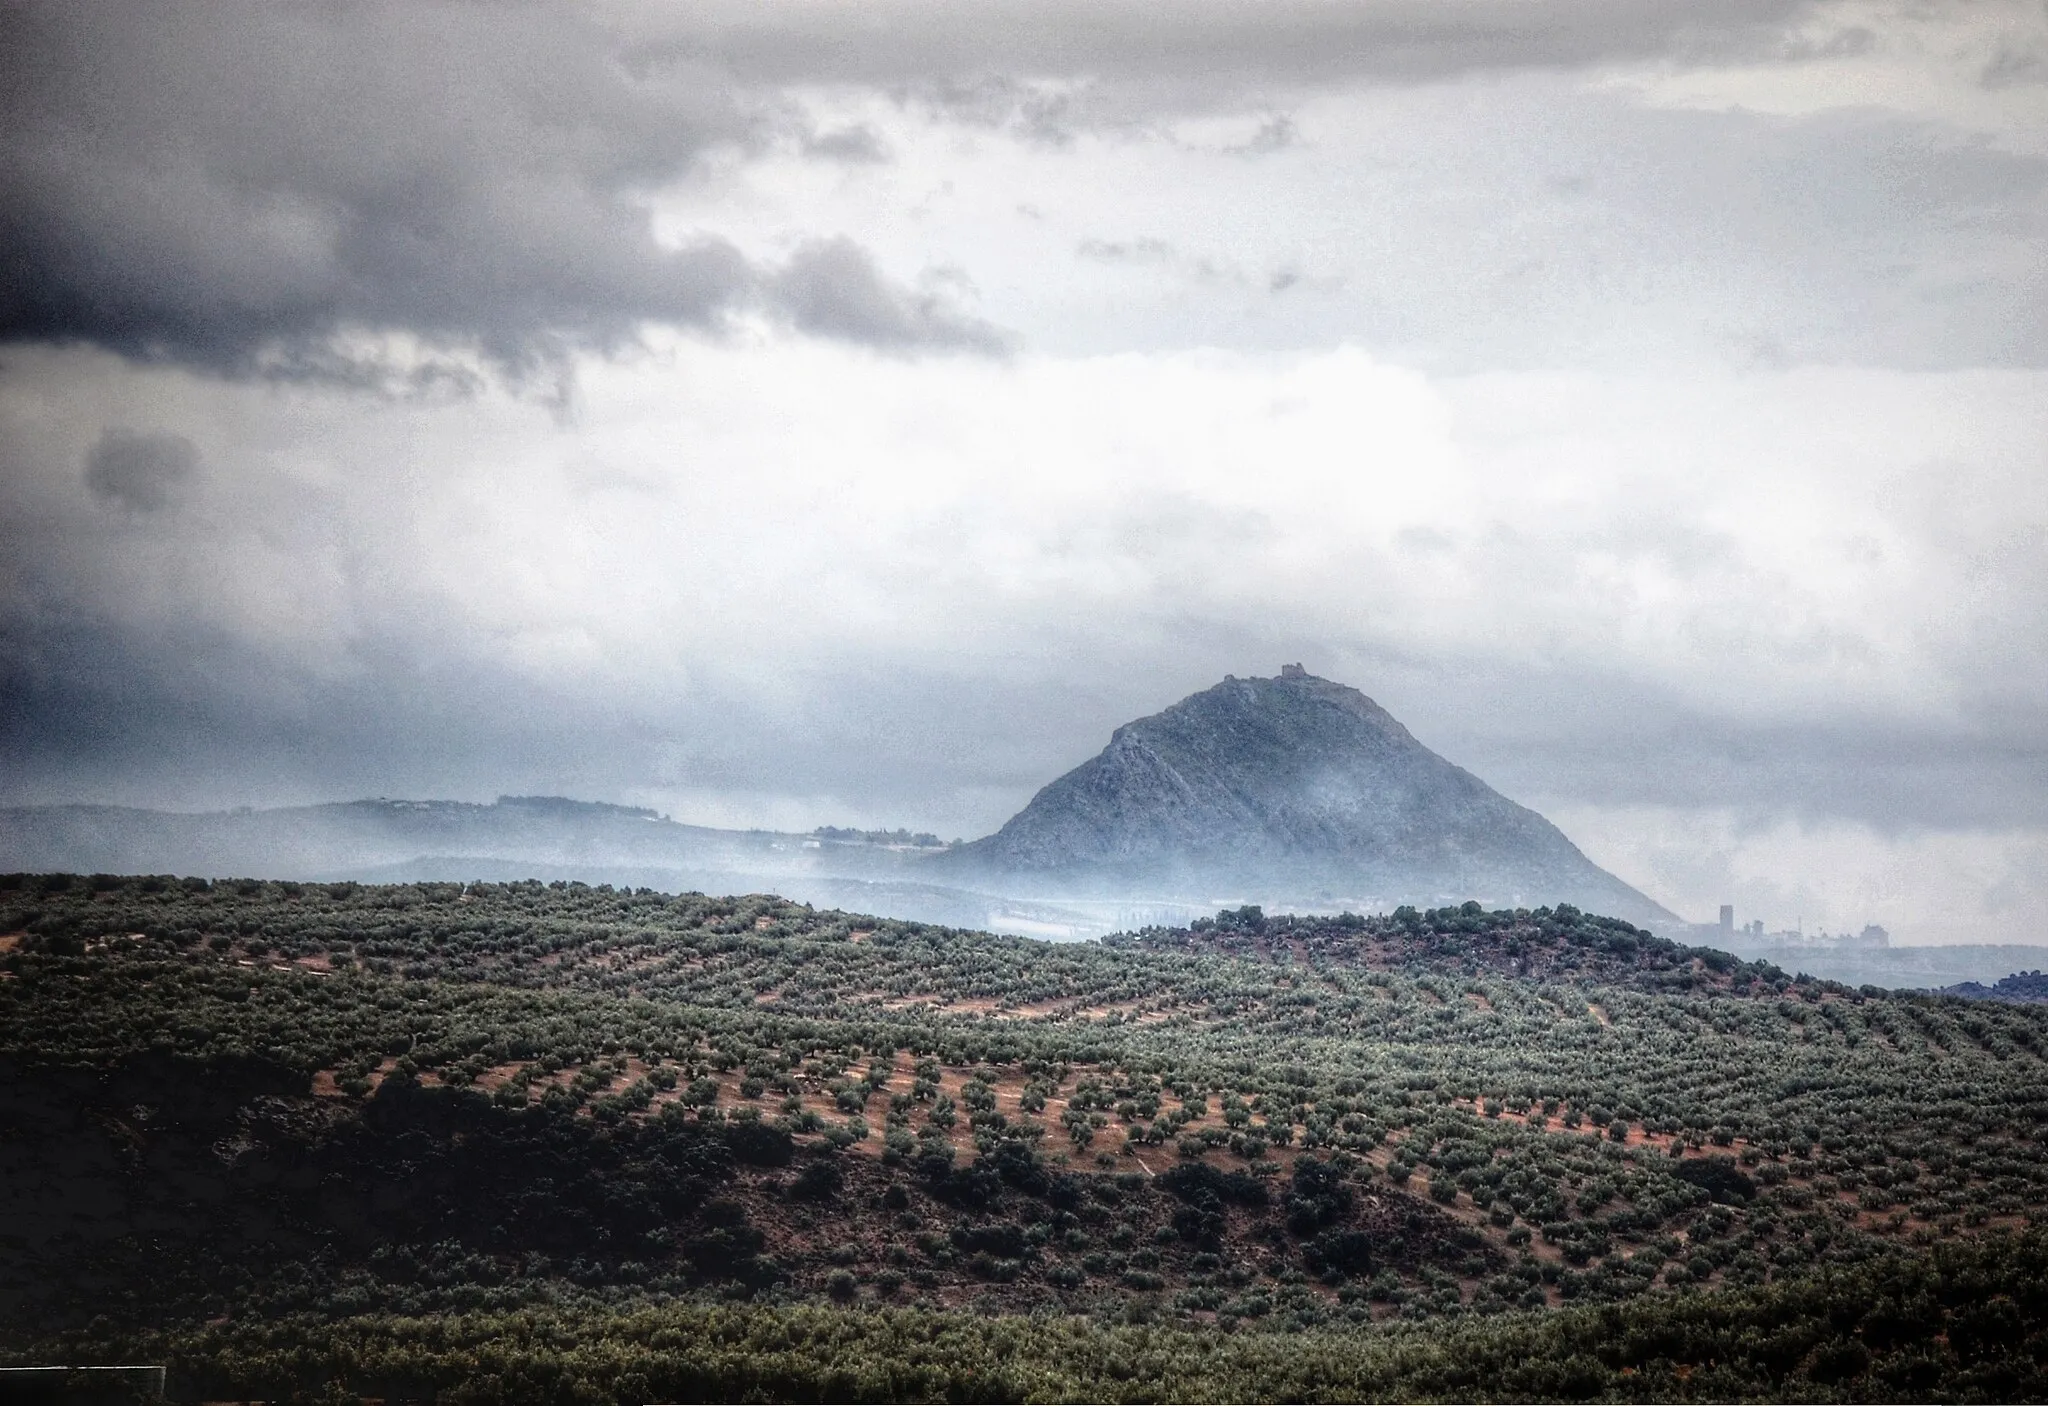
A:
{"x":1290,"y":789}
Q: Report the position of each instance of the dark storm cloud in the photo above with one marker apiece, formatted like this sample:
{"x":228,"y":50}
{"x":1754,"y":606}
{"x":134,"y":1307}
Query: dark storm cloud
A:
{"x":87,"y":706}
{"x":1046,"y":70}
{"x":142,"y":472}
{"x":235,"y":185}
{"x":2016,"y":63}
{"x":195,"y":714}
{"x":1216,"y":45}
{"x":194,"y":717}
{"x":832,"y":288}
{"x":230,"y":185}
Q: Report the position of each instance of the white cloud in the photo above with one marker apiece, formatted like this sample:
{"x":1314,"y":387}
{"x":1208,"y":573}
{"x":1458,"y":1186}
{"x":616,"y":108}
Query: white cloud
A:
{"x":1647,"y":408}
{"x":727,"y":545}
{"x":1779,"y":545}
{"x":1541,"y":220}
{"x":1923,"y":886}
{"x":1979,"y":67}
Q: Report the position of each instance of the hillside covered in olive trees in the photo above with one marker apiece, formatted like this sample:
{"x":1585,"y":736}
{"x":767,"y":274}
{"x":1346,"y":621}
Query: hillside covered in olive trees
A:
{"x":296,"y":1139}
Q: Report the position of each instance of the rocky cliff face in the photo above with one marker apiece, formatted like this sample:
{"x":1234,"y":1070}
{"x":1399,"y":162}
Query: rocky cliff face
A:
{"x":1290,"y":788}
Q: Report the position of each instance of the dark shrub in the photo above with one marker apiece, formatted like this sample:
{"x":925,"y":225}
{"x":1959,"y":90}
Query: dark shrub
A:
{"x":969,"y":1188}
{"x":818,"y":1181}
{"x":1197,"y":1182}
{"x":1001,"y":1239}
{"x":759,"y":1144}
{"x":1344,"y":1252}
{"x":1317,"y":1197}
{"x":1018,"y":1165}
{"x":1719,"y":1177}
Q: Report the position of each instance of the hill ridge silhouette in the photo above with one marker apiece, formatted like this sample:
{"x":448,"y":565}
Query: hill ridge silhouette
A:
{"x":1295,"y":787}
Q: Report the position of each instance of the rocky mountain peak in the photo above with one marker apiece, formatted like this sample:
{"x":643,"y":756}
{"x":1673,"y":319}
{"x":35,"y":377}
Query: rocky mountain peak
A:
{"x":1294,"y":787}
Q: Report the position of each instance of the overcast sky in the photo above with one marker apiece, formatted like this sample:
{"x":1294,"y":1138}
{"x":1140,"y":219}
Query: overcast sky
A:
{"x":850,"y":411}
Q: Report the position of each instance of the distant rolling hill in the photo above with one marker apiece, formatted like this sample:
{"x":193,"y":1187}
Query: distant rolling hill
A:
{"x":1294,"y":792}
{"x":517,"y":837}
{"x":340,"y":839}
{"x":2029,"y":988}
{"x":1960,"y":969}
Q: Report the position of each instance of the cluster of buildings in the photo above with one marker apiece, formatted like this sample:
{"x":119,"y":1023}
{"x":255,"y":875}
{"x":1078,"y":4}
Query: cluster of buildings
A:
{"x":1751,"y":934}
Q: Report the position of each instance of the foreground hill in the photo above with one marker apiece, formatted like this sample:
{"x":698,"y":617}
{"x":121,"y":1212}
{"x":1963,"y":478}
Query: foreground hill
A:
{"x":1295,"y":789}
{"x":539,"y":1140}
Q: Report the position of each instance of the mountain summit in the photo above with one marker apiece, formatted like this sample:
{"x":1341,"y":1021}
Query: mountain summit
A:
{"x":1290,"y":788}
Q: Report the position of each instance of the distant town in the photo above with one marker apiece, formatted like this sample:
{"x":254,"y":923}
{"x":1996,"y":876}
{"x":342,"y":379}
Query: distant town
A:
{"x":1752,"y":934}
